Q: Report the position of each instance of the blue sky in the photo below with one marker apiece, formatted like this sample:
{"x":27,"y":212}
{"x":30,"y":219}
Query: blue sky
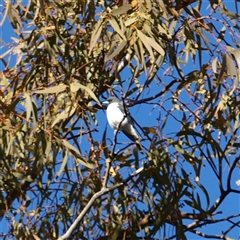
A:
{"x":146,"y":115}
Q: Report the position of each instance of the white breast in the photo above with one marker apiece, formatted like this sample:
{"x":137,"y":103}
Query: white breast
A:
{"x":115,"y":116}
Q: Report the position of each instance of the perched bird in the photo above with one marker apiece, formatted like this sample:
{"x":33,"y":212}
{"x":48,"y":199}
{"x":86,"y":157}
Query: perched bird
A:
{"x":117,"y":115}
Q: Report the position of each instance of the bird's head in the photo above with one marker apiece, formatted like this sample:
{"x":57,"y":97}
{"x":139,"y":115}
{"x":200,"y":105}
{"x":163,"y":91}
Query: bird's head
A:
{"x":111,"y":100}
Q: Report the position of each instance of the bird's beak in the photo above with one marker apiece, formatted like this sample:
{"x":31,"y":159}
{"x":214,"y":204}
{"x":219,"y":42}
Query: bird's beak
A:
{"x":105,"y":102}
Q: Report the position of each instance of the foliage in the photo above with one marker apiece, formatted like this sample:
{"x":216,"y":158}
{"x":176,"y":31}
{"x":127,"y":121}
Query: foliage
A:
{"x":177,"y":59}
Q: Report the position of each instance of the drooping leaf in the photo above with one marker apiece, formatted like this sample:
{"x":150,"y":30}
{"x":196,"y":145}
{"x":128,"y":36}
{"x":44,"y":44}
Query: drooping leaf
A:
{"x":63,"y":165}
{"x":55,"y":89}
{"x":121,"y":10}
{"x":96,"y":34}
{"x":116,"y":27}
{"x":68,"y":112}
{"x":117,"y":51}
{"x":76,"y":86}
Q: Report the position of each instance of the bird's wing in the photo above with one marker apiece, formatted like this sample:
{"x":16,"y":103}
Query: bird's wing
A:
{"x":129,"y":128}
{"x":130,"y":136}
{"x":121,"y":107}
{"x":133,"y":135}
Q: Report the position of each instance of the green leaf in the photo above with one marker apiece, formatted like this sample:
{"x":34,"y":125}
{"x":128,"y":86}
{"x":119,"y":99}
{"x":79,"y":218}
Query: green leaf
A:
{"x":96,"y":34}
{"x":214,"y":65}
{"x":236,"y":54}
{"x":130,"y":21}
{"x":116,"y":233}
{"x":117,"y":51}
{"x":116,"y":27}
{"x":121,"y":10}
{"x":144,"y":41}
{"x":64,"y":162}
{"x":76,"y":86}
{"x":30,"y":110}
{"x":71,"y":147}
{"x":55,"y":89}
{"x":231,"y":66}
{"x":205,"y":192}
{"x":69,"y":111}
{"x":7,"y":11}
{"x":141,"y":50}
{"x":223,"y":69}
{"x":156,"y":46}
{"x":158,"y":64}
{"x":172,"y":27}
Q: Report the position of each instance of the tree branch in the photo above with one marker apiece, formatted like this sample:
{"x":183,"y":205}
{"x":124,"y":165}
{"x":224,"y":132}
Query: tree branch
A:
{"x":97,"y":195}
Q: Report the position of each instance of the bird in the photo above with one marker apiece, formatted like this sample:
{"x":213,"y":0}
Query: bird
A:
{"x":120,"y":120}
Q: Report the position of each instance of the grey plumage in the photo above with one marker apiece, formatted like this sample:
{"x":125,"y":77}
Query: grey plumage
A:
{"x":116,"y":115}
